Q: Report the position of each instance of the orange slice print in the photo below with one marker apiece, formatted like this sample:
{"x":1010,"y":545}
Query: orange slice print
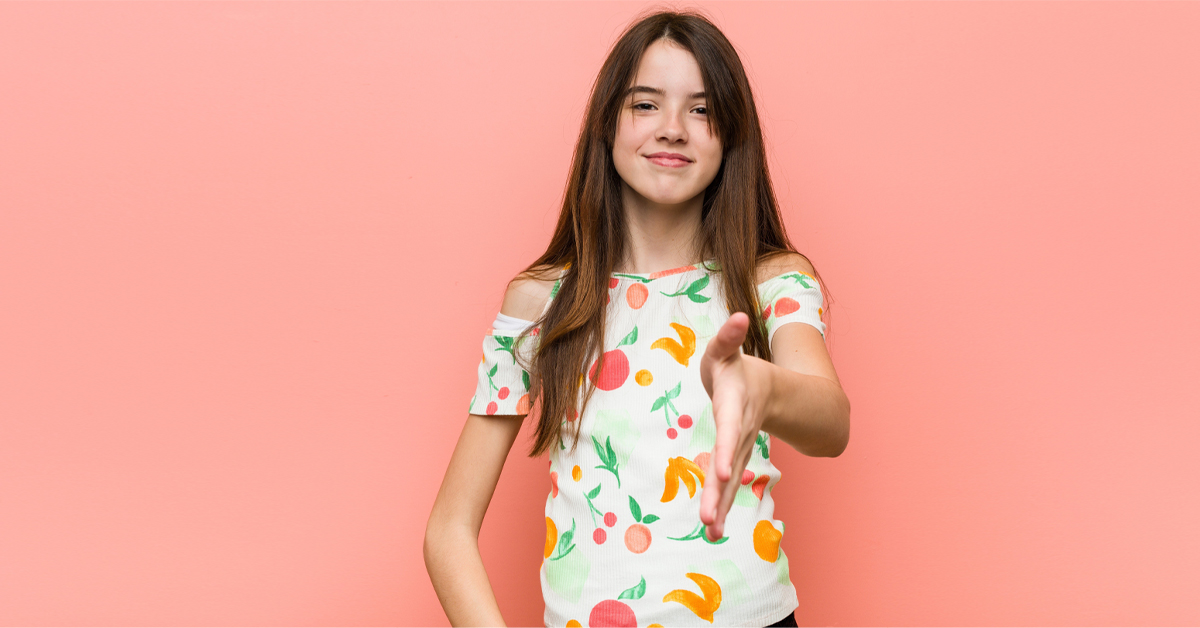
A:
{"x":681,"y":352}
{"x":703,"y":607}
{"x":678,"y":469}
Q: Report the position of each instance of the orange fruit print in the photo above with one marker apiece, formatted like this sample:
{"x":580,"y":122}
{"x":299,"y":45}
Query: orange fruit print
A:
{"x":766,"y":541}
{"x":637,"y":538}
{"x":551,"y":537}
{"x":636,"y":295}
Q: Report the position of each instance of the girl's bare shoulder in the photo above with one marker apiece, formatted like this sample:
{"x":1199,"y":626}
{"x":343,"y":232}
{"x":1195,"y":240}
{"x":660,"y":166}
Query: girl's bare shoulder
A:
{"x":529,"y":291}
{"x":776,"y":264}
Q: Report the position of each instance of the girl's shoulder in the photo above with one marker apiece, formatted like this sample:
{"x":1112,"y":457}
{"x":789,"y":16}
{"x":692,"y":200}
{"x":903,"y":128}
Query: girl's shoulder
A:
{"x":529,"y":291}
{"x":775,"y":264}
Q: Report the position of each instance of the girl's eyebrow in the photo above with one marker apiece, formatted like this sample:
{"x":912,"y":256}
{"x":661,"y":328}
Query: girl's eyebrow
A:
{"x":637,"y":89}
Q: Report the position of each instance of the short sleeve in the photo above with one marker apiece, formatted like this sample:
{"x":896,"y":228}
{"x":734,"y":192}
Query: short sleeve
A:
{"x":793,"y":297}
{"x":502,"y":384}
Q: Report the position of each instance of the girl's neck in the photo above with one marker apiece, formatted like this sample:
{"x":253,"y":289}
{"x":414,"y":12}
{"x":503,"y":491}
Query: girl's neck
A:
{"x":661,"y":237}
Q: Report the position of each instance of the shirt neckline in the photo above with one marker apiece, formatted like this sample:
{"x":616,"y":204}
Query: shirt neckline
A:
{"x":707,"y":265}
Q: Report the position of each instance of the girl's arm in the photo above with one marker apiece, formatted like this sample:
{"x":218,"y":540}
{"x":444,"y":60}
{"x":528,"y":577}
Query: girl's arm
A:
{"x":452,"y":533}
{"x":806,"y":406}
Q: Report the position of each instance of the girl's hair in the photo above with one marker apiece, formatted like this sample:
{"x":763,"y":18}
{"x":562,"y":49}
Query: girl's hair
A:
{"x":740,"y":223}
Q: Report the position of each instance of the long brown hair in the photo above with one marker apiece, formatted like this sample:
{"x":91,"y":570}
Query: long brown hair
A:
{"x":740,"y":222}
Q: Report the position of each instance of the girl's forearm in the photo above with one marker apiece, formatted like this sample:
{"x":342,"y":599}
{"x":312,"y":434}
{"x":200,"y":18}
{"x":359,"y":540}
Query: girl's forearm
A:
{"x":808,"y":412}
{"x":459,"y":578}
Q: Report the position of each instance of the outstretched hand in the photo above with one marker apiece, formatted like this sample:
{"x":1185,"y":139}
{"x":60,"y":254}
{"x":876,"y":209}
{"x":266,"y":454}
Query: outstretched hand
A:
{"x":738,"y":385}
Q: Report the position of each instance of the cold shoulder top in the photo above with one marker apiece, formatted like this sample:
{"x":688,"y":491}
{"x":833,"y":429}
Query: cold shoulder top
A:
{"x":624,"y":541}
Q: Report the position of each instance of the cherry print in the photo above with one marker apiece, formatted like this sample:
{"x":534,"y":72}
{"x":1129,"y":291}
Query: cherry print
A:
{"x":503,"y":394}
{"x":684,"y":421}
{"x":610,"y":519}
{"x":599,"y":535}
{"x":671,"y":433}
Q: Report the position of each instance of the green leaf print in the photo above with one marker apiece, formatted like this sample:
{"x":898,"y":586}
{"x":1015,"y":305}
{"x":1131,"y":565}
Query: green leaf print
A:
{"x":564,"y":542}
{"x":629,"y":338}
{"x":692,"y":291}
{"x":698,"y":533}
{"x":761,"y":442}
{"x":506,"y":344}
{"x":798,"y":278}
{"x":525,"y":379}
{"x":593,"y":511}
{"x":664,"y":402}
{"x":608,"y":457}
{"x":636,"y":509}
{"x":491,"y":374}
{"x":635,"y":592}
{"x":634,"y":277}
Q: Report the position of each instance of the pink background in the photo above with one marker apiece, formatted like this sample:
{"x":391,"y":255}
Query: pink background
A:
{"x":248,"y":252}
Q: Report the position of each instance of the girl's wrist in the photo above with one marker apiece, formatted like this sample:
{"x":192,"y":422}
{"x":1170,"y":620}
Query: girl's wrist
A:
{"x":765,"y":377}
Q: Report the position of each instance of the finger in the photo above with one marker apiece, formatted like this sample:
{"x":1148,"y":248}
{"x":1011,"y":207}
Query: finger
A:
{"x":710,"y":496}
{"x":729,"y":492}
{"x":729,"y":338}
{"x":716,"y":529}
{"x":711,"y":493}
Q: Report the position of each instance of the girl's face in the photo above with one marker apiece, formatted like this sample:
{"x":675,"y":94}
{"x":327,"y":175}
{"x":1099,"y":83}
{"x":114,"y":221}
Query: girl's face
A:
{"x":663,"y":150}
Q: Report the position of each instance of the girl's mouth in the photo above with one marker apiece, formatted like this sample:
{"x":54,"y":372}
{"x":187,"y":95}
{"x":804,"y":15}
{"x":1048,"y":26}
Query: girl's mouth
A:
{"x":670,"y":162}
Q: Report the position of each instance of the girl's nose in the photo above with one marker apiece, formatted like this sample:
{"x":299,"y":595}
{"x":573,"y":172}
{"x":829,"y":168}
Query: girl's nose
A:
{"x":672,"y":128}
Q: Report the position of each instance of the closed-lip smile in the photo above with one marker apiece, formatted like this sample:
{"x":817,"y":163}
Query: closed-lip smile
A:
{"x":674,"y":160}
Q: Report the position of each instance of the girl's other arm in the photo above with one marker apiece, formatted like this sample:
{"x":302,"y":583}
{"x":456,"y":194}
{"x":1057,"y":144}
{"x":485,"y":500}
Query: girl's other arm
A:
{"x":452,"y":534}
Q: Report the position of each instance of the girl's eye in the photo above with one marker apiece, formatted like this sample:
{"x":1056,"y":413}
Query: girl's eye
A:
{"x":702,"y":110}
{"x":642,"y":103}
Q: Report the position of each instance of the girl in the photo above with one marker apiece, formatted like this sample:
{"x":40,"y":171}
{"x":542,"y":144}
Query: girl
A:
{"x":665,"y":297}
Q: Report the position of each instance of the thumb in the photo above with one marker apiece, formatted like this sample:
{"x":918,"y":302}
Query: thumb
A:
{"x":729,"y":338}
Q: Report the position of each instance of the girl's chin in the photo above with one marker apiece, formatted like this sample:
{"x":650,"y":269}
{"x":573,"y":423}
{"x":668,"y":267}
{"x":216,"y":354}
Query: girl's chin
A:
{"x":669,"y":198}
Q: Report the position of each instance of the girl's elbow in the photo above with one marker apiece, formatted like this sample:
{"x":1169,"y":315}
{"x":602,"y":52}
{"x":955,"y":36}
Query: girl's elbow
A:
{"x":842,"y":437}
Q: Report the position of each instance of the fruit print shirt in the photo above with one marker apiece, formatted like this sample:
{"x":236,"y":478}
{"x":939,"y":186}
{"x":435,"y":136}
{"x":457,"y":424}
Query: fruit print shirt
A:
{"x":624,"y":541}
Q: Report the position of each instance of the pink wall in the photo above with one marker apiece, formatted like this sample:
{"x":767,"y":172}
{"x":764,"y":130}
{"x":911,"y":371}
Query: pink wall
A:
{"x":248,"y":252}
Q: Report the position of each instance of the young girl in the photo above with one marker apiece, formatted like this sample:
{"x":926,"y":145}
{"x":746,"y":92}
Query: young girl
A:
{"x":652,"y":341}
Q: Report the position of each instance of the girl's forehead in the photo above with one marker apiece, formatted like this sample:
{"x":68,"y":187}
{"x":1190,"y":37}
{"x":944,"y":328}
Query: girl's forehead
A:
{"x":670,"y":68}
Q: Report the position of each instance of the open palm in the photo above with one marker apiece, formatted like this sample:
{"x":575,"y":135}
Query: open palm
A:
{"x":737,"y":385}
